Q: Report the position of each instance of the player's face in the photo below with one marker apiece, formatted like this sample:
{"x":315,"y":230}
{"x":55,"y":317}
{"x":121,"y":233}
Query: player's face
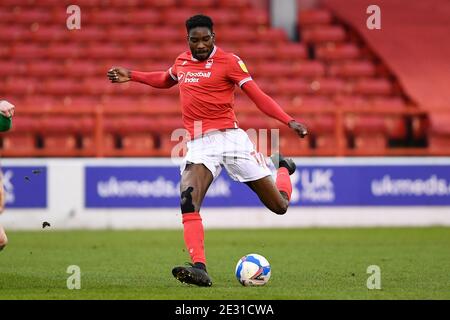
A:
{"x":201,"y":42}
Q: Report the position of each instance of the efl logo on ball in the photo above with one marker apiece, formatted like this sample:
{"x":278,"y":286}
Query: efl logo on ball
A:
{"x":253,"y":270}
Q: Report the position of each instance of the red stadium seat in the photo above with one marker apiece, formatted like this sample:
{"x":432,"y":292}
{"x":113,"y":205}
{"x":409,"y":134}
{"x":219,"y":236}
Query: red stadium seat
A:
{"x":255,"y":17}
{"x":20,"y":86}
{"x":236,"y":4}
{"x":256,"y":51}
{"x":42,"y":102}
{"x":105,"y":16}
{"x":388,"y":102}
{"x":61,"y":86}
{"x":163,"y":35}
{"x":292,"y":87}
{"x":352,"y":101}
{"x":291,"y":145}
{"x":314,"y":17}
{"x":308,"y":69}
{"x":81,"y":103}
{"x":238,"y":34}
{"x":140,"y":142}
{"x":18,"y":142}
{"x":45,"y":68}
{"x":58,"y":124}
{"x":95,"y":86}
{"x":46,"y":34}
{"x":369,"y":132}
{"x":105,"y":51}
{"x":198,"y":4}
{"x":65,"y":51}
{"x":177,"y":17}
{"x":275,"y":69}
{"x":321,"y":34}
{"x":11,"y":32}
{"x":59,"y":142}
{"x":125,"y":4}
{"x":366,"y":124}
{"x":29,"y":51}
{"x":373,"y":87}
{"x":338,"y":51}
{"x":92,"y":34}
{"x":89,"y":146}
{"x":145,"y":51}
{"x":327,"y":86}
{"x":325,"y":141}
{"x":374,"y":142}
{"x":312,"y":102}
{"x":82,"y":3}
{"x":127,"y":34}
{"x":160,"y":3}
{"x":145,"y":17}
{"x":79,"y":68}
{"x":172,"y":51}
{"x":276,"y":36}
{"x":13,"y":67}
{"x":166,"y":125}
{"x":222,"y":18}
{"x":439,"y":123}
{"x":352,"y":69}
{"x":291,"y":51}
{"x":29,"y":16}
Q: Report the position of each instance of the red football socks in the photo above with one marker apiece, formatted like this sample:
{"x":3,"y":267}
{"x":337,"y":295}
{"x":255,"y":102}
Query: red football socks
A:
{"x":194,"y":236}
{"x":283,"y":182}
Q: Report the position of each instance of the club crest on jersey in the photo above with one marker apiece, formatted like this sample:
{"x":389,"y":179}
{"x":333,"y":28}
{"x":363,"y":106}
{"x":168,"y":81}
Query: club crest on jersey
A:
{"x":209,"y":63}
{"x":243,"y":66}
{"x":180,"y":76}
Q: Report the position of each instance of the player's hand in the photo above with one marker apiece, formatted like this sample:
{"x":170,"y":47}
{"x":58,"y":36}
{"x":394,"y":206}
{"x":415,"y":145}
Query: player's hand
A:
{"x":299,"y":128}
{"x":6,"y":108}
{"x":118,"y":75}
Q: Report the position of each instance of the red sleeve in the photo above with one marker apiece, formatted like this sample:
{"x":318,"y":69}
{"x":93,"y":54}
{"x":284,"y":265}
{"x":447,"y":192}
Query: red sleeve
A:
{"x":158,"y":79}
{"x":265,"y":103}
{"x":237,"y":71}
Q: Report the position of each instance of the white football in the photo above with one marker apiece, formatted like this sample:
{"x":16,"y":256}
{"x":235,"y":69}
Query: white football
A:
{"x":253,"y":270}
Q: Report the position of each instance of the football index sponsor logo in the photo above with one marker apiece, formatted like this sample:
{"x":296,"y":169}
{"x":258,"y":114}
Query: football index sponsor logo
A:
{"x":193,"y":77}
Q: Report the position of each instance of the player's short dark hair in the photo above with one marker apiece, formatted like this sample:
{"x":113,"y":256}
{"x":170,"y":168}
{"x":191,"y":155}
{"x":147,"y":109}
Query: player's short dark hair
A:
{"x":199,"y":20}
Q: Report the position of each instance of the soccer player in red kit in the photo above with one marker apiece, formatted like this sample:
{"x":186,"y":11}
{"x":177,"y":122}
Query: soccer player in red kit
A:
{"x":206,"y":76}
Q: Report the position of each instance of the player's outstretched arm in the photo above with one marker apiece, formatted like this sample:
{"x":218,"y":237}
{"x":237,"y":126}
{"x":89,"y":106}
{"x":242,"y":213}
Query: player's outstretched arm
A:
{"x":157,"y":79}
{"x":267,"y":105}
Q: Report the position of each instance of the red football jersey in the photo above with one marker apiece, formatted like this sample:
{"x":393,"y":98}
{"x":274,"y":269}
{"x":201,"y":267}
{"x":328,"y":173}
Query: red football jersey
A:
{"x":207,"y":89}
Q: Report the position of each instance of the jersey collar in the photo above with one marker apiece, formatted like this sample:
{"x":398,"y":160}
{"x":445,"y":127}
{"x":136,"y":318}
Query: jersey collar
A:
{"x":210,"y":56}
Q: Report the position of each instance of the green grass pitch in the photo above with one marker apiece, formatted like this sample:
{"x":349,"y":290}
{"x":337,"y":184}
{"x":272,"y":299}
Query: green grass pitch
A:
{"x":306,"y":264}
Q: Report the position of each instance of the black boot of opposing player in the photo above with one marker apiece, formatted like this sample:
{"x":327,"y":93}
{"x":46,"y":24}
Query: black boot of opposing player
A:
{"x":194,"y":274}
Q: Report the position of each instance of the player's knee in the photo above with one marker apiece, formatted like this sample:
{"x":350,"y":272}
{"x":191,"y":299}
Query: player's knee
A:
{"x":186,"y":202}
{"x":281,"y":208}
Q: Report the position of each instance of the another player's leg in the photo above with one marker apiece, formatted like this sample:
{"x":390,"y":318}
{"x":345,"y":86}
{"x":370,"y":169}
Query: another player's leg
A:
{"x":276,"y":196}
{"x":195,"y":181}
{"x":3,"y":238}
